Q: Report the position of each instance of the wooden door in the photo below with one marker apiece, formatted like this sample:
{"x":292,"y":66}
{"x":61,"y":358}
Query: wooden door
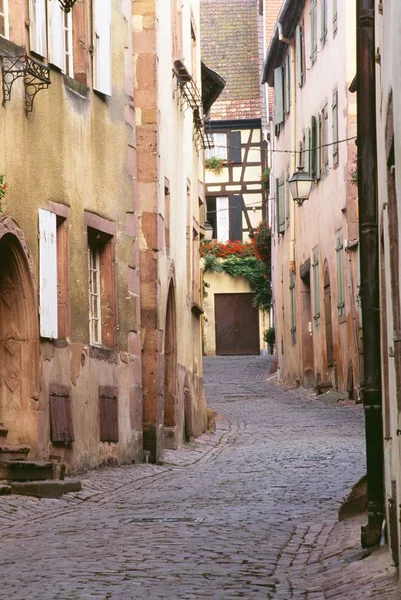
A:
{"x":237,"y":325}
{"x":328,"y":322}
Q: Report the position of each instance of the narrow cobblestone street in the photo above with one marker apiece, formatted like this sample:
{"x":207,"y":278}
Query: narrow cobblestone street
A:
{"x":247,"y":512}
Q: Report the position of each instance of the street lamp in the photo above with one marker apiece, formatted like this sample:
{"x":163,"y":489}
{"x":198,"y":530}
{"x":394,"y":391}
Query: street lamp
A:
{"x":67,"y":5}
{"x":208,"y":231}
{"x":300,"y":186}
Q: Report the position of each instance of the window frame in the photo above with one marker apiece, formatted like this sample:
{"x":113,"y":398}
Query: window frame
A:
{"x":101,"y":237}
{"x":335,"y":18}
{"x":220,"y":148}
{"x":313,"y":24}
{"x":324,"y":9}
{"x":336,"y":149}
{"x":94,"y":307}
{"x":4,"y":14}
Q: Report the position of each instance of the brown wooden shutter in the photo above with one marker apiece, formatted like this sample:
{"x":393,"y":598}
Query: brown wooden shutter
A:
{"x":61,"y":427}
{"x":236,"y":218}
{"x":235,"y":147}
{"x":108,"y":414}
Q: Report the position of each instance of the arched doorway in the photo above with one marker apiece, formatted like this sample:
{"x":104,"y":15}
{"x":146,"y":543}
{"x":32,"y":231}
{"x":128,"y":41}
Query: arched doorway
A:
{"x":19,"y":338}
{"x":327,"y":316}
{"x":170,"y":370}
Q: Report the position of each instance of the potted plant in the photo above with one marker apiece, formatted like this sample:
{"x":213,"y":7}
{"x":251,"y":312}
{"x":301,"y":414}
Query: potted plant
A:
{"x":215,"y":164}
{"x":270,"y":339}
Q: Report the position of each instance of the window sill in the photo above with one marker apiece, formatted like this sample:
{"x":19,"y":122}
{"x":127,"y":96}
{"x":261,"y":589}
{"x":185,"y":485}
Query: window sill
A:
{"x":76,"y":86}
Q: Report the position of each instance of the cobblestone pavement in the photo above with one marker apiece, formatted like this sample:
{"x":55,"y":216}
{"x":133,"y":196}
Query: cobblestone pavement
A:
{"x":248,"y":512}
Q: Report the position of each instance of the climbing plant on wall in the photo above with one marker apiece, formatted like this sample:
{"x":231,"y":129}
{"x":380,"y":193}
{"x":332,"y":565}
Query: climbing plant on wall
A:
{"x":249,"y":260}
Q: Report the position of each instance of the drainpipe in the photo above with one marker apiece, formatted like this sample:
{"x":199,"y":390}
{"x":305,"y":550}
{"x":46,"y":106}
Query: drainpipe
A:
{"x":293,"y":163}
{"x":369,"y":254}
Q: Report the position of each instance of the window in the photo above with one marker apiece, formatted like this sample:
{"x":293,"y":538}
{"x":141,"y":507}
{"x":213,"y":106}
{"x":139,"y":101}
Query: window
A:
{"x":37,"y":27}
{"x":102,"y":294}
{"x":293,"y":309}
{"x":287,"y":85}
{"x":315,"y":149}
{"x":313,"y":26}
{"x":316,"y":287}
{"x":95,"y":323}
{"x":324,"y":22}
{"x":280,"y":205}
{"x":60,"y":37}
{"x":68,"y":45}
{"x":300,"y":52}
{"x":340,"y":278}
{"x":278,"y":96}
{"x":287,"y":196}
{"x":195,"y":267}
{"x":335,"y":127}
{"x":54,"y":271}
{"x":308,"y":157}
{"x":325,"y":139}
{"x":334,"y":17}
{"x":4,"y":18}
{"x":225,"y":216}
{"x":220,"y":147}
{"x":102,"y":46}
{"x":108,"y":414}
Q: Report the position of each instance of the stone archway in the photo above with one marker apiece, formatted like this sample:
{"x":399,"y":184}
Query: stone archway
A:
{"x":170,"y":370}
{"x":19,"y":338}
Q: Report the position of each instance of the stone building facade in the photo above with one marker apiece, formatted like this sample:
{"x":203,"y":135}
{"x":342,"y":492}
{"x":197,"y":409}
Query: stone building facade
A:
{"x":170,"y":192}
{"x":310,"y":63}
{"x":388,"y":115}
{"x":104,"y":182}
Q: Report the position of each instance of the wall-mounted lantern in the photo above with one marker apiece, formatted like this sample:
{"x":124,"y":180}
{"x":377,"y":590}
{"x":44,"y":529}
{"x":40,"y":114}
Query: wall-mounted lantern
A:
{"x":300,"y":186}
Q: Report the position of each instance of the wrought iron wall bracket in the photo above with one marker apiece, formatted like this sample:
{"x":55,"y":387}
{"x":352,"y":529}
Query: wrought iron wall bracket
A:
{"x":36,"y":77}
{"x":13,"y":67}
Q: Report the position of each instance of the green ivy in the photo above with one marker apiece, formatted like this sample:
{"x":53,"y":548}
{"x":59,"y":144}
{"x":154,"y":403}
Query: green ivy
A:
{"x":250,"y":267}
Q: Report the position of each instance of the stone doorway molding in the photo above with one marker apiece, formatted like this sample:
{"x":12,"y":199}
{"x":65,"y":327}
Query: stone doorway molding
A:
{"x":19,"y":337}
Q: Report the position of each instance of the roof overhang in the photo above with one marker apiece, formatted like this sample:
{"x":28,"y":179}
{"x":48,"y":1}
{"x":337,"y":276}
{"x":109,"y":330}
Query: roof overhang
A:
{"x":287,"y":21}
{"x":212,"y":86}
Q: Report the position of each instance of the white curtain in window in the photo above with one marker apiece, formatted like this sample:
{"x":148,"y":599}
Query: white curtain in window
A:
{"x":56,"y":34}
{"x":102,"y":46}
{"x":222,"y":219}
{"x":37,"y":27}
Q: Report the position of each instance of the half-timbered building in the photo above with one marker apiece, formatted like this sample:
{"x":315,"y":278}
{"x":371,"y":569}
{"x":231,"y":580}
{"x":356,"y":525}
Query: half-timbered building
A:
{"x":236,"y":191}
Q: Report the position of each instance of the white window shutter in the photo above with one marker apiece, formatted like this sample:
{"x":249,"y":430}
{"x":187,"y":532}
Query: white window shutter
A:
{"x":48,"y":274}
{"x":56,"y":34}
{"x":102,"y":46}
{"x":37,"y":27}
{"x":223,"y":221}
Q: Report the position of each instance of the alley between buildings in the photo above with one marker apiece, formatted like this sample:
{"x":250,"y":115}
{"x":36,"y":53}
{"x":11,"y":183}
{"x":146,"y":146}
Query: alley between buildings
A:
{"x":247,"y":512}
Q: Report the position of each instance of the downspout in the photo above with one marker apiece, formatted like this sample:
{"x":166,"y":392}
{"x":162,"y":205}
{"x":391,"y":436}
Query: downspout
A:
{"x":369,"y":259}
{"x":293,"y":163}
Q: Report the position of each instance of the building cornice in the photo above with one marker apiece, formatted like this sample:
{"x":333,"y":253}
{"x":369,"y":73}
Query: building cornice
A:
{"x":287,"y":21}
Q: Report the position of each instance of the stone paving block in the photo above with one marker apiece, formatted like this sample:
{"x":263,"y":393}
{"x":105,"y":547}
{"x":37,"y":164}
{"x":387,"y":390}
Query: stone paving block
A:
{"x":247,"y":512}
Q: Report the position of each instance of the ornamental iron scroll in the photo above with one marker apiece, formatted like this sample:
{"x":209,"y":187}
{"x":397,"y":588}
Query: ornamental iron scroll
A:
{"x":189,"y":97}
{"x":36,"y":77}
{"x":67,"y":5}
